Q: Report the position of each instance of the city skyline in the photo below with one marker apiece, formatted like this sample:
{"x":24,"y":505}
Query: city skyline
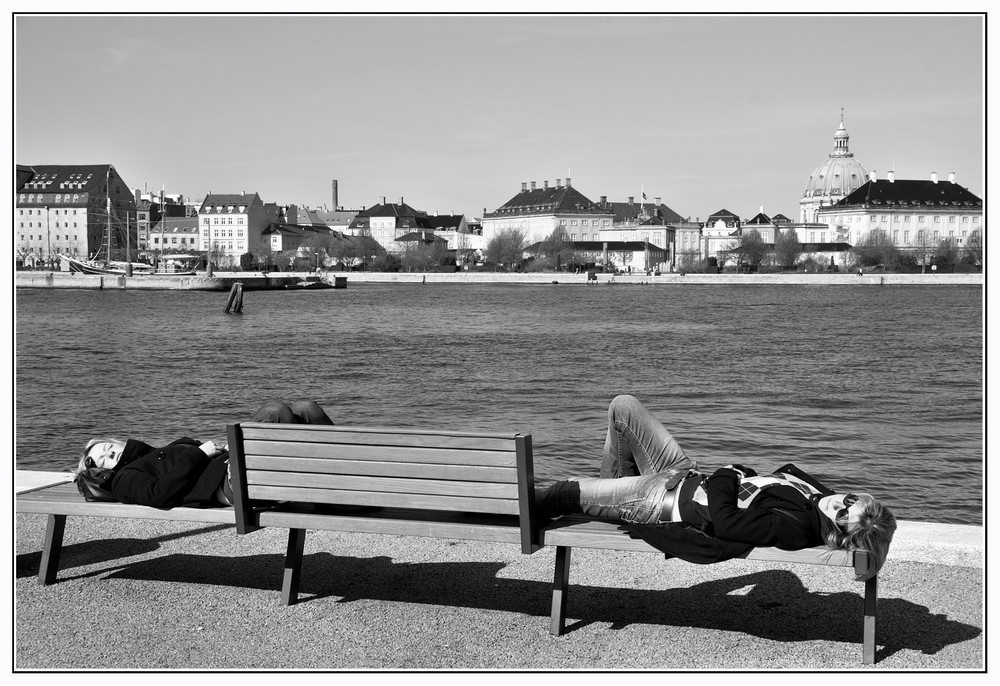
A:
{"x":454,"y":113}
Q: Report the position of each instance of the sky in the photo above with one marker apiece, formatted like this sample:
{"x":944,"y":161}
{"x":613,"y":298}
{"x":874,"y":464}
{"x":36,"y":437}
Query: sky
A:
{"x":453,"y":113}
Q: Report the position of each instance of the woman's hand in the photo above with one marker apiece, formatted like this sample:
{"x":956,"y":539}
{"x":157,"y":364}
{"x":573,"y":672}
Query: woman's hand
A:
{"x":211,"y":449}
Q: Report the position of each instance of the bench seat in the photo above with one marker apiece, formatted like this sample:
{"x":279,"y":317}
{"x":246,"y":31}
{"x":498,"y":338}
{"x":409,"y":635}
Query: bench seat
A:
{"x":62,"y":500}
{"x":579,"y":531}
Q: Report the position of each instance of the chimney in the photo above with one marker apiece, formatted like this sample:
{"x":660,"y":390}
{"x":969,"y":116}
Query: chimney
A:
{"x":558,"y":183}
{"x":762,"y":209}
{"x":891,"y":176}
{"x":567,"y":182}
{"x":401,"y":200}
{"x":524,"y":186}
{"x":871,"y":176}
{"x":604,"y":199}
{"x":335,"y":199}
{"x":951,"y":177}
{"x":383,"y":199}
{"x":934,"y":177}
{"x":532,"y":185}
{"x":546,"y":182}
{"x":243,"y":193}
{"x":631,"y":200}
{"x":656,"y":200}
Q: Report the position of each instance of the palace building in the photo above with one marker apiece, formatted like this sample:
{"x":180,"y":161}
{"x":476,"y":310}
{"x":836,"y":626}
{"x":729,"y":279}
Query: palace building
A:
{"x":909,"y":213}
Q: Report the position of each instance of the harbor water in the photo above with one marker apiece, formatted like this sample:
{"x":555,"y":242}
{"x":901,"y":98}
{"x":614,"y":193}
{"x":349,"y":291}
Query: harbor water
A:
{"x":876,"y":389}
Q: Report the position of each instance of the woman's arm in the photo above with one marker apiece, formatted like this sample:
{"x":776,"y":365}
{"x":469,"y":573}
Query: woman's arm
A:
{"x":757,"y":526}
{"x":160,"y":478}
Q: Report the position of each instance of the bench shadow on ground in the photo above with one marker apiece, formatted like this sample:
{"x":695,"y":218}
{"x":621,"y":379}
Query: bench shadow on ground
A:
{"x":771,"y":604}
{"x":109,"y":550}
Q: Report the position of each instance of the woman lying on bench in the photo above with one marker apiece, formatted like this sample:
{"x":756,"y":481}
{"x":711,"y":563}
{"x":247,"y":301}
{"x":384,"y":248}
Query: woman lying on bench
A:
{"x":649,"y":483}
{"x":186,"y":473}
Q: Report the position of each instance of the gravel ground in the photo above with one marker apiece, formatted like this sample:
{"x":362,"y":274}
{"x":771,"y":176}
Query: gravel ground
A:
{"x":184,"y":596}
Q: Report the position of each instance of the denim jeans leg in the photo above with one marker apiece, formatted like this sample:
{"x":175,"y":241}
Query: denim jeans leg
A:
{"x":638,"y":444}
{"x":274,"y":411}
{"x":633,"y":499}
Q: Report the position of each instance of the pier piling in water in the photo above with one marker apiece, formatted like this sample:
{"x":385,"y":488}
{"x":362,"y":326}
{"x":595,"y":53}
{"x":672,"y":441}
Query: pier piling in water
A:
{"x":235,"y":302}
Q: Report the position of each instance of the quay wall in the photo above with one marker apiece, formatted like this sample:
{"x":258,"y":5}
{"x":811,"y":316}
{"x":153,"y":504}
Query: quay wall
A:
{"x":219,"y":282}
{"x":838,"y":279}
{"x":258,"y":281}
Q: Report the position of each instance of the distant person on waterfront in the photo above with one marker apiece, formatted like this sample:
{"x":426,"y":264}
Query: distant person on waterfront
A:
{"x":648,"y":482}
{"x":187,"y":472}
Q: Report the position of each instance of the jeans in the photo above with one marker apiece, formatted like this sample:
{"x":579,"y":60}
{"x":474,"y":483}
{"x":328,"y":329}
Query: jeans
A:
{"x":293,"y":412}
{"x":640,"y":456}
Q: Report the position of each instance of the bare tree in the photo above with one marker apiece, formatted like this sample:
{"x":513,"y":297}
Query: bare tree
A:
{"x":507,"y":247}
{"x":875,"y":250}
{"x":946,"y":254}
{"x":557,"y":249}
{"x":787,"y":249}
{"x":751,"y":250}
{"x":974,"y":248}
{"x":923,"y":248}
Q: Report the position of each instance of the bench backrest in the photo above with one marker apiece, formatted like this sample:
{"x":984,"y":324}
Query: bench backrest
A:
{"x":443,"y":471}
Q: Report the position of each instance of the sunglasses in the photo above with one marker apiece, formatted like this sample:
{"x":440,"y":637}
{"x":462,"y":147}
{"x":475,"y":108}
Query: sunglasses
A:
{"x":842,"y":514}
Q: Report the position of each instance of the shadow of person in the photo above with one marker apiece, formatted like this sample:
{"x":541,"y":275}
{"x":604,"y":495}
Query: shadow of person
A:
{"x":771,"y":604}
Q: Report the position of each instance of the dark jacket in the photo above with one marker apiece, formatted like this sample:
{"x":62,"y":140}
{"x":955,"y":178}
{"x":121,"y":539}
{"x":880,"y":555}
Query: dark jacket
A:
{"x":780,"y":517}
{"x":176,"y":474}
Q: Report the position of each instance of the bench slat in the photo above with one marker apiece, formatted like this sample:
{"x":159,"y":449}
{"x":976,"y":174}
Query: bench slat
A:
{"x":493,"y":528}
{"x":387,"y":484}
{"x":65,"y":499}
{"x":583,"y":533}
{"x":340,"y":451}
{"x":274,"y":463}
{"x":406,"y":500}
{"x":390,"y":437}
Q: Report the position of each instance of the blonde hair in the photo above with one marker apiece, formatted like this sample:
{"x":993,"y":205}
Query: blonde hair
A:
{"x":82,"y":465}
{"x":873,"y":533}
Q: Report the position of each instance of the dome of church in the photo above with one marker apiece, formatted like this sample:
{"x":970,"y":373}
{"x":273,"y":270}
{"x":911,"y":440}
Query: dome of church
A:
{"x":839,"y":175}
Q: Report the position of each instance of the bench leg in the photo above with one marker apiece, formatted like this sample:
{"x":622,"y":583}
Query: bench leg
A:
{"x":293,"y":566}
{"x":560,"y":589}
{"x":48,"y":568}
{"x":871,"y":615}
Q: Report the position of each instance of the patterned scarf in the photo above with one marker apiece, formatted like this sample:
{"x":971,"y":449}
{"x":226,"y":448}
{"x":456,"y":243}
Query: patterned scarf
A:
{"x":752,"y":486}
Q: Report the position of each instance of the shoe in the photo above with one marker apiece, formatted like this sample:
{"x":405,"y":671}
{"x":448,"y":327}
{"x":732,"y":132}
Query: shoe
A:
{"x":562,"y":497}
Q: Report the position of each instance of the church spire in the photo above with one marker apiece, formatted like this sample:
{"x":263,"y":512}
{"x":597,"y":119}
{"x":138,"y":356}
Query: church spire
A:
{"x":840,"y":140}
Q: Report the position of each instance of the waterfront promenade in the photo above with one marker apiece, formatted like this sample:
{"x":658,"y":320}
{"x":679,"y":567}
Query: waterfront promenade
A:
{"x":137,"y":594}
{"x":223,"y":280}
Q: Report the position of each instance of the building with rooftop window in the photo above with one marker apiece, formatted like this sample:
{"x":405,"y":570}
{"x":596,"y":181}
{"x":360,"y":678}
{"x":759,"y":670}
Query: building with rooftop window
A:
{"x":387,"y":222}
{"x":79,"y":211}
{"x":910,"y":213}
{"x":234,"y":224}
{"x":539,"y":211}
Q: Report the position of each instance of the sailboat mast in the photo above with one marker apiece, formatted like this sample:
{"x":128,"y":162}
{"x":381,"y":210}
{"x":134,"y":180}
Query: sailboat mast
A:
{"x":107,"y":193}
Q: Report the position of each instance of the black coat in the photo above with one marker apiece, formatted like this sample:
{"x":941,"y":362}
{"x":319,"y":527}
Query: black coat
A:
{"x":171,"y":476}
{"x":780,"y":517}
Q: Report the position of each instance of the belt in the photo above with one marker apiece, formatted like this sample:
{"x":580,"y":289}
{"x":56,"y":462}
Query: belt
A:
{"x":673,"y":488}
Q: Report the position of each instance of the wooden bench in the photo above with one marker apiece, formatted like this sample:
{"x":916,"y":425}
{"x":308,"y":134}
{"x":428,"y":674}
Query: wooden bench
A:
{"x":440,"y":484}
{"x":566,"y":533}
{"x":62,"y":500}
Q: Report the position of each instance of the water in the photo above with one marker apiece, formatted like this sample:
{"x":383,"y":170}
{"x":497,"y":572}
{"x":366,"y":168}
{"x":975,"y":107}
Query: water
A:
{"x":869,"y":388}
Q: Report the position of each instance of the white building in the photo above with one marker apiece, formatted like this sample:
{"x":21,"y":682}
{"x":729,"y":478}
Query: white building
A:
{"x":537,"y":212}
{"x":910,"y":213}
